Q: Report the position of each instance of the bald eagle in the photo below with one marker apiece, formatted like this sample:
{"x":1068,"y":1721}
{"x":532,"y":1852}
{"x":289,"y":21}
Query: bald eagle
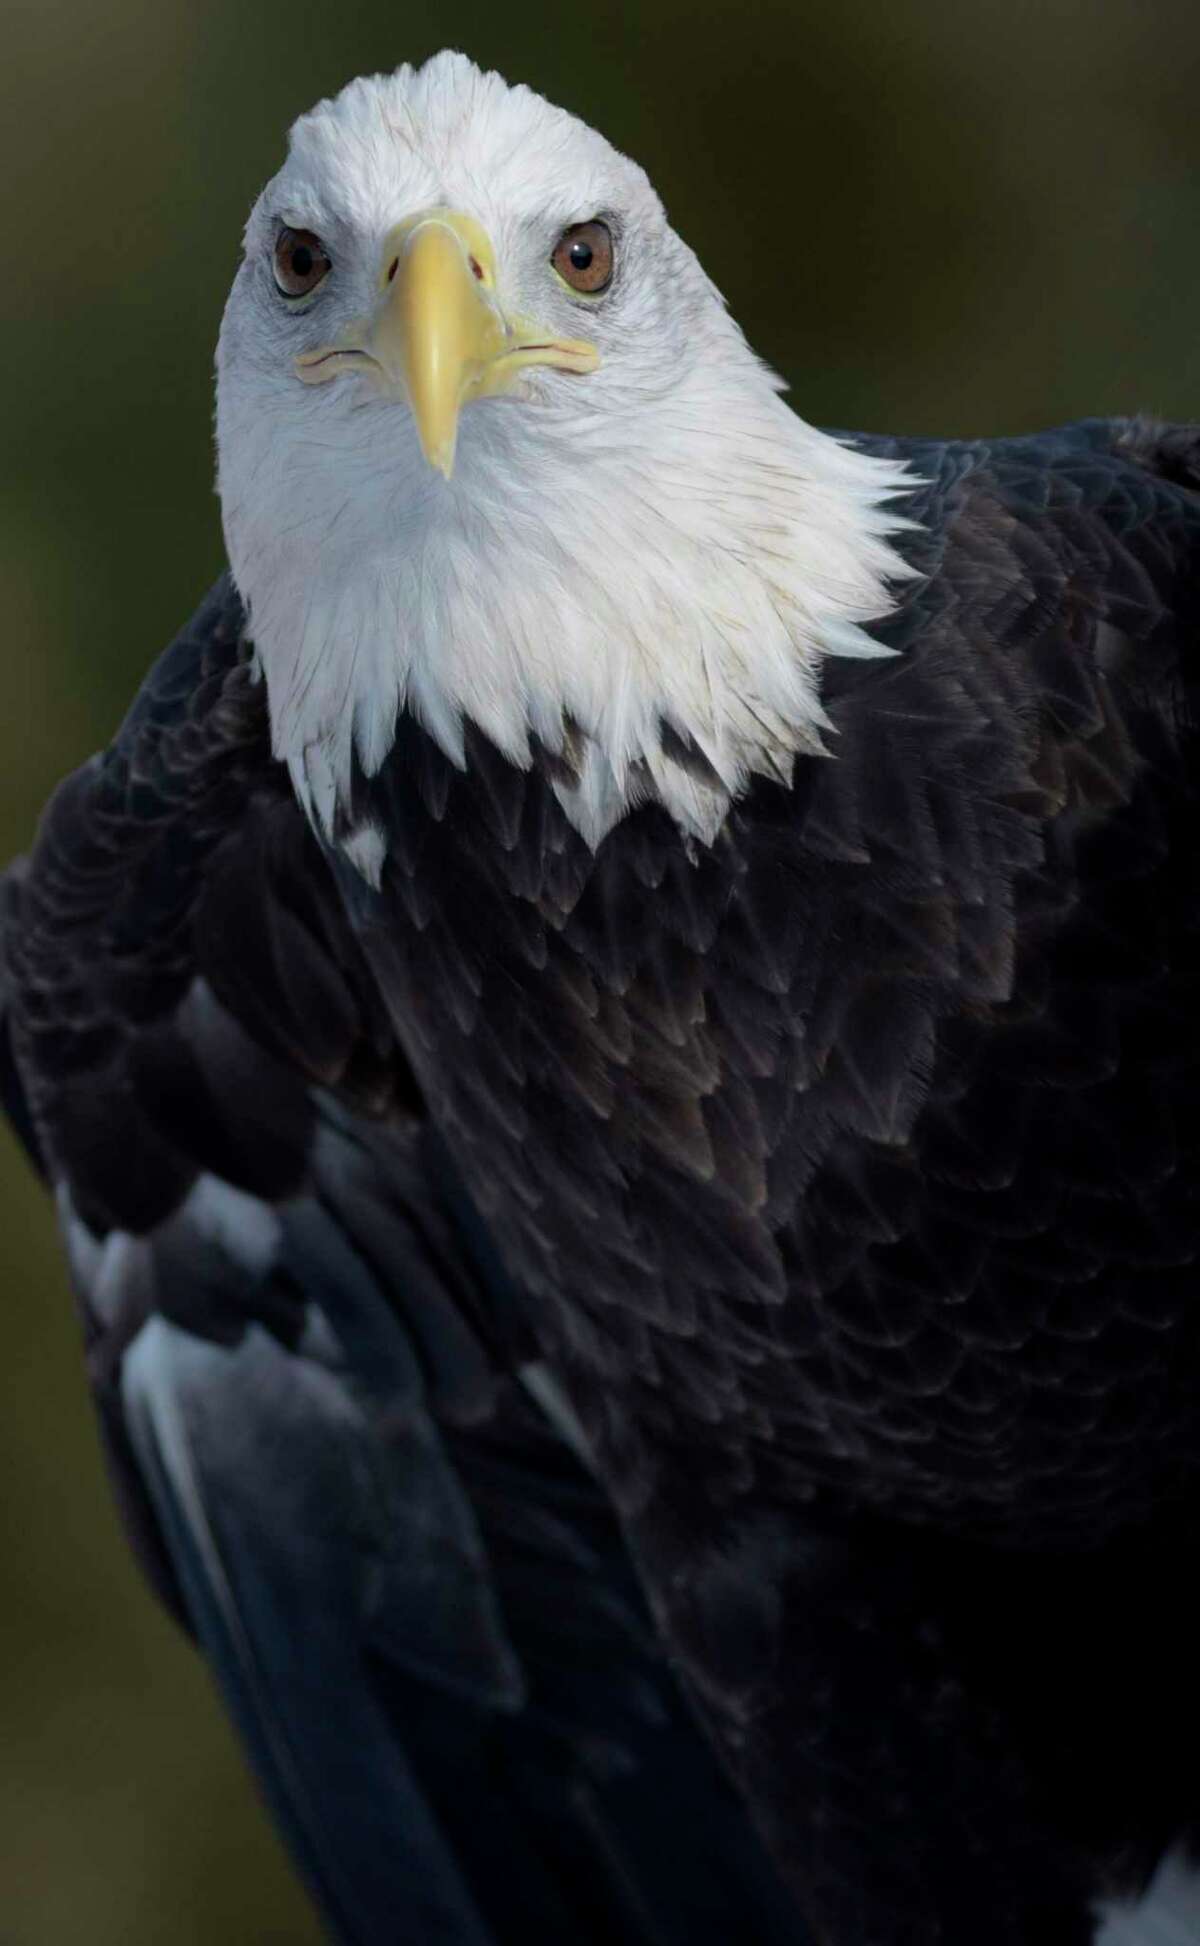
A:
{"x":616,"y":1041}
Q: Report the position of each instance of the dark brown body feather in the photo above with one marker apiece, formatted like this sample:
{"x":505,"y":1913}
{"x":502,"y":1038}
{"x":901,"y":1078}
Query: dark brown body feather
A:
{"x":852,"y":1165}
{"x":861,"y":1140}
{"x":418,"y":1606}
{"x":850,"y":1169}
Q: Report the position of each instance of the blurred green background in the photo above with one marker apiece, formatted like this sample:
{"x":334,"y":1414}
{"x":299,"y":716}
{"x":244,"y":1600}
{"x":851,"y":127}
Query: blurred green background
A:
{"x":932,"y":215}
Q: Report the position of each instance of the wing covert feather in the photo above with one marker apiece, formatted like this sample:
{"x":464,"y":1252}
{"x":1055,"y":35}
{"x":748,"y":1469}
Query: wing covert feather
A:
{"x":307,"y":1365}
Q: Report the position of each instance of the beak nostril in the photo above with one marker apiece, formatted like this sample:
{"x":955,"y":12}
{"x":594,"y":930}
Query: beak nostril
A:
{"x":393,"y":267}
{"x":476,"y":269}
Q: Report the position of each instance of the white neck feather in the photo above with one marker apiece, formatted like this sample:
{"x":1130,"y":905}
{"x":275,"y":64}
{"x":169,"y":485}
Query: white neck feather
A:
{"x":581,"y":582}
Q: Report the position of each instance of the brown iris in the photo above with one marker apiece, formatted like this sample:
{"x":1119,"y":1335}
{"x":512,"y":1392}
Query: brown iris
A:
{"x":583,"y":257}
{"x":301,"y":261}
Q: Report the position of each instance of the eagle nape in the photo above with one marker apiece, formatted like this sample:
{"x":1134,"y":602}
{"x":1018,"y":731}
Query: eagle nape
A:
{"x":616,"y":1039}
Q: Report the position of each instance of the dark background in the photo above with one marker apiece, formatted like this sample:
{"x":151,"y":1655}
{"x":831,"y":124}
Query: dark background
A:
{"x":945,"y":216}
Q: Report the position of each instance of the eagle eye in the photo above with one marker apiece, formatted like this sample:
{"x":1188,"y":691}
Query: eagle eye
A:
{"x":583,"y":257}
{"x":301,"y":261}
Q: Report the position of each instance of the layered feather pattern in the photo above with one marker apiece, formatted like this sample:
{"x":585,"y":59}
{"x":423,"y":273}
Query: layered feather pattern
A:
{"x":851,"y":1161}
{"x":333,"y":1454}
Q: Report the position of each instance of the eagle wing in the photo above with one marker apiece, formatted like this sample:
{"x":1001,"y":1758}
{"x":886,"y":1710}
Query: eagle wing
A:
{"x":332,"y":1455}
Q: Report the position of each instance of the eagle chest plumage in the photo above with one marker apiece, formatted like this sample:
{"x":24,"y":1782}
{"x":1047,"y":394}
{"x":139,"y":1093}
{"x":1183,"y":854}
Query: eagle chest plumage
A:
{"x":805,"y":1142}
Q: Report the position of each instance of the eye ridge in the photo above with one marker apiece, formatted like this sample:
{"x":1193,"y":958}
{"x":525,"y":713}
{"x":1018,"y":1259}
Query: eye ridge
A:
{"x":584,"y":257}
{"x":301,"y":262}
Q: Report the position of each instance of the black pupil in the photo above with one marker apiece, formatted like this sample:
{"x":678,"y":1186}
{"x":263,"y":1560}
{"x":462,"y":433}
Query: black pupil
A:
{"x":581,"y":255}
{"x":302,"y":260}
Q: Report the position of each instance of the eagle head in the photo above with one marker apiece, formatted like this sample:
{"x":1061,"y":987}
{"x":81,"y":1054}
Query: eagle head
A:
{"x":492,"y":449}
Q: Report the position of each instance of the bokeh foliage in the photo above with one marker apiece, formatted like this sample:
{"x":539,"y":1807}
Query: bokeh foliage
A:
{"x":931,"y":215}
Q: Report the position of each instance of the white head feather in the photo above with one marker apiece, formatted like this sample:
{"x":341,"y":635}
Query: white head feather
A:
{"x":659,"y":542}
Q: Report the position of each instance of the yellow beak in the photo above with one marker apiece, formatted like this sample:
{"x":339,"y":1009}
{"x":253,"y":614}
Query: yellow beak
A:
{"x":439,"y":332}
{"x":439,"y":329}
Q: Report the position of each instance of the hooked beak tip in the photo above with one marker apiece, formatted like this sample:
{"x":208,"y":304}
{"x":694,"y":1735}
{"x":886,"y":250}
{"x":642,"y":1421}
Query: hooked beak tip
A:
{"x":441,"y":457}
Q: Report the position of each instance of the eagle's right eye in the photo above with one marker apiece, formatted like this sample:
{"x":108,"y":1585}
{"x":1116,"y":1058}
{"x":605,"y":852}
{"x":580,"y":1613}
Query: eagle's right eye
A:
{"x":301,"y":261}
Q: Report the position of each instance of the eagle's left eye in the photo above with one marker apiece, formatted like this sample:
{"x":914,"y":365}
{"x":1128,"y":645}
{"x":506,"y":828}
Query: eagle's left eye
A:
{"x":301,"y":261}
{"x":583,"y":257}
